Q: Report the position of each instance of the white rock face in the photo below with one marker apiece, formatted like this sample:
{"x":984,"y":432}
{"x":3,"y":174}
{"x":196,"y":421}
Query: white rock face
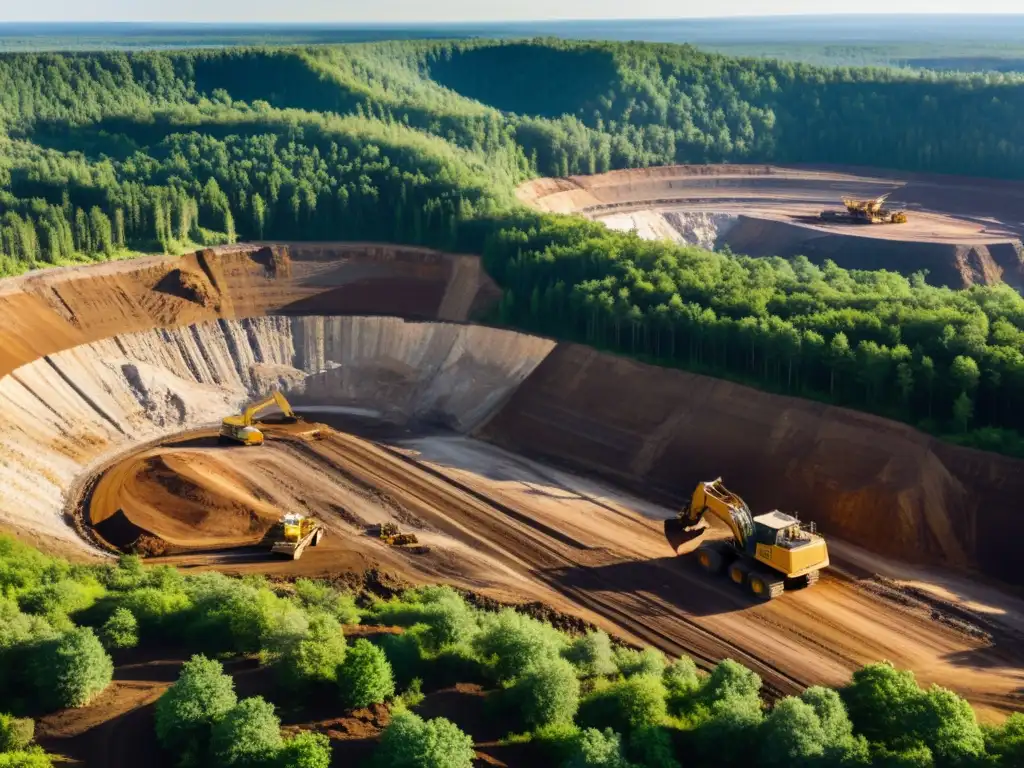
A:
{"x":700,"y":228}
{"x":65,"y":414}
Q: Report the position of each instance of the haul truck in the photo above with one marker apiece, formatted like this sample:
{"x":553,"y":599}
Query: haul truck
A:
{"x":766,"y":554}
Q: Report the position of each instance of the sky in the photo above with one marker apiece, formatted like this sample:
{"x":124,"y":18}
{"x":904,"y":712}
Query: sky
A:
{"x":399,"y":11}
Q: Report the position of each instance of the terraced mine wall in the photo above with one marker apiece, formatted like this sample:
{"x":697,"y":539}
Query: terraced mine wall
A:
{"x":95,"y":360}
{"x":874,"y":482}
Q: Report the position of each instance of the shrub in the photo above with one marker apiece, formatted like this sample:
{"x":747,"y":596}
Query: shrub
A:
{"x":649,"y":661}
{"x":729,"y":710}
{"x":549,"y":693}
{"x":187,"y":711}
{"x":316,"y":657}
{"x":1007,"y":741}
{"x":792,"y":736}
{"x":249,"y":734}
{"x":63,"y":597}
{"x":598,"y":749}
{"x":121,"y":630}
{"x":914,"y":756}
{"x":33,"y":757}
{"x":512,"y":643}
{"x":129,"y":573}
{"x":448,"y":620}
{"x":651,"y":747}
{"x":15,"y":733}
{"x":404,"y":654}
{"x":947,"y":724}
{"x":70,"y":671}
{"x":158,"y":611}
{"x":635,"y":702}
{"x":411,"y":742}
{"x":241,"y":615}
{"x":681,"y":679}
{"x":320,"y":596}
{"x":731,"y":686}
{"x":841,"y":746}
{"x":881,"y":700}
{"x":305,"y":750}
{"x":592,"y":655}
{"x":365,"y":676}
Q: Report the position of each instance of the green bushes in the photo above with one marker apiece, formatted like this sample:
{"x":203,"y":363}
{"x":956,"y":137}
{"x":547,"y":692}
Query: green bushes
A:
{"x":598,"y":749}
{"x":365,"y":676}
{"x":121,"y":630}
{"x":592,"y":655}
{"x":629,"y":704}
{"x":411,"y":742}
{"x":648,"y":661}
{"x":323,"y":597}
{"x":200,"y":720}
{"x":314,"y":657}
{"x":249,"y":734}
{"x":187,"y":712}
{"x":511,"y":643}
{"x":447,"y":618}
{"x":15,"y":733}
{"x":70,"y":671}
{"x":548,"y":693}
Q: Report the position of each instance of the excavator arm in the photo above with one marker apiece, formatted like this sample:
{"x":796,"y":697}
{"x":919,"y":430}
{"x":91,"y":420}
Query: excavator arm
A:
{"x":275,"y":398}
{"x":715,"y":499}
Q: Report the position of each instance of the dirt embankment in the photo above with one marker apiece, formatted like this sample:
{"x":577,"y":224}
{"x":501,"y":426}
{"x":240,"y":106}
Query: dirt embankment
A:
{"x":870,"y":481}
{"x":953,"y":232}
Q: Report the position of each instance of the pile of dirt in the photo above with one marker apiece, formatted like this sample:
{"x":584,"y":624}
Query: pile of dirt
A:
{"x":191,"y":286}
{"x":186,"y":498}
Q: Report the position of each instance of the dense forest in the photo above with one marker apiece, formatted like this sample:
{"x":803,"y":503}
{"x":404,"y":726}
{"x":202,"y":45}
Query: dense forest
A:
{"x":574,"y":700}
{"x":104,"y":155}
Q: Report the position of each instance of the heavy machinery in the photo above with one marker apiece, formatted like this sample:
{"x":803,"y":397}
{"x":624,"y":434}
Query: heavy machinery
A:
{"x":393,"y":537}
{"x":240,"y":429}
{"x":294,"y":533}
{"x":865,"y":212}
{"x":766,"y":554}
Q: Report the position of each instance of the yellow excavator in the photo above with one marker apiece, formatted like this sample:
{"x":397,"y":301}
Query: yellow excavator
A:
{"x":866,"y":212}
{"x":240,"y":429}
{"x":766,"y":554}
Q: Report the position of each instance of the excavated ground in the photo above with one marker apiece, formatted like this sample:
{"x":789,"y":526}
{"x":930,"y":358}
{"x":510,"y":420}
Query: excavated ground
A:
{"x":964,"y":232}
{"x":101,"y":366}
{"x":513,"y":529}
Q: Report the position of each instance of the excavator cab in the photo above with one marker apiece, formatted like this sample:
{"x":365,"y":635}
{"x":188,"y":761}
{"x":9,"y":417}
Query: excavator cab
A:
{"x":240,"y":428}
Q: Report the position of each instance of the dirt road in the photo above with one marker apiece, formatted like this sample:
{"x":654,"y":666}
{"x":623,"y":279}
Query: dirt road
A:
{"x":515,"y":529}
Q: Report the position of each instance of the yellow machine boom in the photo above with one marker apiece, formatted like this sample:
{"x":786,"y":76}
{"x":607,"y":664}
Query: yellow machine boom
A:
{"x":766,"y":553}
{"x":240,"y":428}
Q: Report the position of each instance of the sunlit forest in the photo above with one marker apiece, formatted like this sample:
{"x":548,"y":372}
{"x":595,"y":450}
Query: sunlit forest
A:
{"x":110,"y":154}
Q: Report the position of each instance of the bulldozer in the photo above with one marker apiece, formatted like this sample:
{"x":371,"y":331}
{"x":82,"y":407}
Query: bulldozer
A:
{"x":865,"y":212}
{"x":766,"y":554}
{"x":240,"y":429}
{"x":294,"y":533}
{"x":393,"y":537}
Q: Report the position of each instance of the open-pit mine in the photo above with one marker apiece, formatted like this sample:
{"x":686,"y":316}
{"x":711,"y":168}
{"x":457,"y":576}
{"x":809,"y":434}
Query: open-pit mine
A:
{"x":525,"y":468}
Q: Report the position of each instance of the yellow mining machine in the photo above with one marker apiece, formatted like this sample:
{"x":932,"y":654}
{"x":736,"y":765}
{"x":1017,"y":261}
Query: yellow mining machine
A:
{"x":240,"y":429}
{"x":294,"y":533}
{"x":865,"y":212}
{"x":766,"y":554}
{"x":393,"y":537}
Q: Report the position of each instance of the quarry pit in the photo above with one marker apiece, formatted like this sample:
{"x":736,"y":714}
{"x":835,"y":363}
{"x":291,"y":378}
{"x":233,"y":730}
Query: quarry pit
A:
{"x":522,"y":464}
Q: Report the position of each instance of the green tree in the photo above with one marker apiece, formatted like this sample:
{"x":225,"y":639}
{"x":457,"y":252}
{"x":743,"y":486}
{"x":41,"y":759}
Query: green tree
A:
{"x":316,"y":657}
{"x":598,"y":749}
{"x":365,"y":676}
{"x":548,"y":693}
{"x":305,"y":750}
{"x":636,"y":702}
{"x":121,"y":630}
{"x":71,"y":671}
{"x":15,"y":733}
{"x":249,"y":734}
{"x":963,"y":412}
{"x":411,"y":742}
{"x":188,"y":710}
{"x":591,"y":654}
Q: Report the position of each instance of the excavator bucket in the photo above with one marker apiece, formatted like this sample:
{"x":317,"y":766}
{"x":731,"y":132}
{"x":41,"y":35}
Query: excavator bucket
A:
{"x":678,"y":534}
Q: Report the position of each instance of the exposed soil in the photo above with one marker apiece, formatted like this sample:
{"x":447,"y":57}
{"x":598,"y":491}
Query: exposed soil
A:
{"x":952,"y":231}
{"x":510,"y":529}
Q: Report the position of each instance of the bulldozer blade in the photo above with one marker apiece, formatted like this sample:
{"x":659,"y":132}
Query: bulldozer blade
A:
{"x":678,"y":534}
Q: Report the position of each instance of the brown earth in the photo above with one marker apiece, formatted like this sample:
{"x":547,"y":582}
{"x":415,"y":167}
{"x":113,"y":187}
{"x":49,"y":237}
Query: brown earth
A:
{"x":511,"y":529}
{"x":961,"y":231}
